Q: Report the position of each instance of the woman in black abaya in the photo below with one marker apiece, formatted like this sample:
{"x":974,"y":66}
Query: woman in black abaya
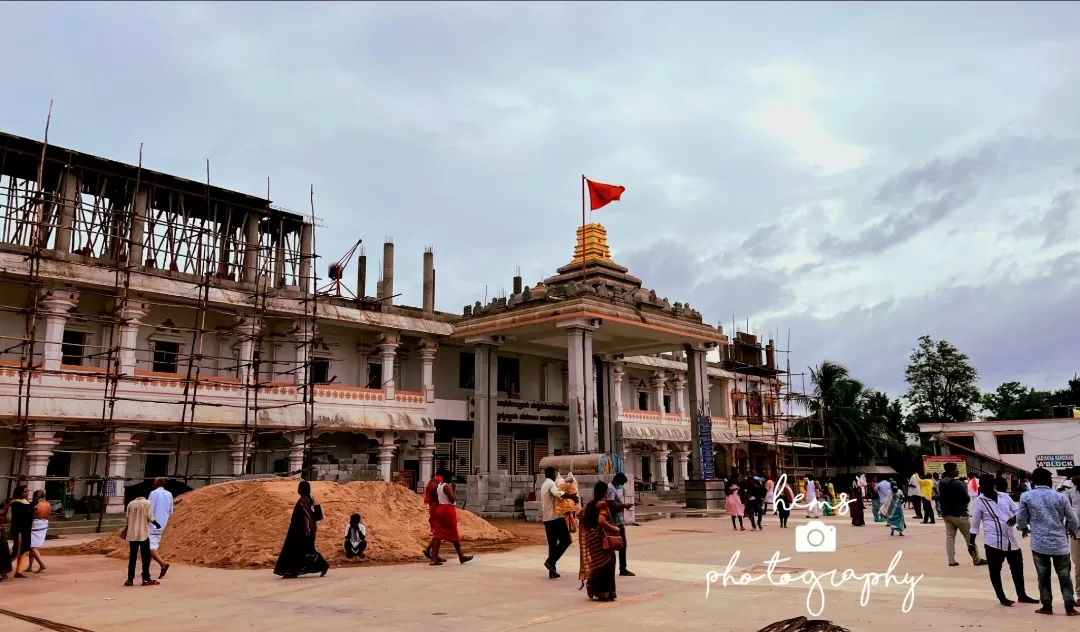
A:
{"x":298,"y":555}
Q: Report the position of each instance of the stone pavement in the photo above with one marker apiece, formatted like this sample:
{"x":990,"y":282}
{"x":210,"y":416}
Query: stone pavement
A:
{"x":510,"y":591}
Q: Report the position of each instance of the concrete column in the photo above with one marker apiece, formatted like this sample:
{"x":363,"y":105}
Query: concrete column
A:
{"x":237,"y":460}
{"x":698,"y":380}
{"x":247,"y":333}
{"x":251,"y":247}
{"x":363,"y":352}
{"x":56,"y":305}
{"x":661,"y":456}
{"x":296,"y":454}
{"x":307,"y":243}
{"x":429,"y":281}
{"x":388,"y":353}
{"x":116,"y":470}
{"x":279,"y":263}
{"x":485,"y":391}
{"x":427,"y":359}
{"x":678,"y":407}
{"x":581,"y":378}
{"x":361,"y":275}
{"x":657,"y":383}
{"x":386,"y":288}
{"x":131,"y":315}
{"x":138,"y":227}
{"x":386,"y":456}
{"x":39,"y":445}
{"x":68,"y":202}
{"x":427,"y":459}
{"x":616,"y":396}
{"x":682,"y":462}
{"x":302,"y":335}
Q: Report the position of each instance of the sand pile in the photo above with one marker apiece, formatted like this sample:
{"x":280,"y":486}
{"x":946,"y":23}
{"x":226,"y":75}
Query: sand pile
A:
{"x":242,"y":524}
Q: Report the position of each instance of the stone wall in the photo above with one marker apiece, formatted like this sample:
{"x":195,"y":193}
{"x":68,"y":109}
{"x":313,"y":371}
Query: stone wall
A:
{"x":499,"y":495}
{"x":345,"y":470}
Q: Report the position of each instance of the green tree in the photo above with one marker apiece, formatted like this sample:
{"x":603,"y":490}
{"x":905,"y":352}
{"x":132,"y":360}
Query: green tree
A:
{"x":1067,"y":396}
{"x":1013,"y":400}
{"x":942,"y":384}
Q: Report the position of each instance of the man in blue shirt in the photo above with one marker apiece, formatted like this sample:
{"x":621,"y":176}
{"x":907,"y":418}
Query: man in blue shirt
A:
{"x":1047,"y":516}
{"x":618,"y":508}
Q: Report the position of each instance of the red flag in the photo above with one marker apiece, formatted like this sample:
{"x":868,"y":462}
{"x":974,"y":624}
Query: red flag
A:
{"x":600,"y":195}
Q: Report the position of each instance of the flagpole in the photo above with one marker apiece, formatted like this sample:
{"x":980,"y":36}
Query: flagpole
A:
{"x":585,"y":376}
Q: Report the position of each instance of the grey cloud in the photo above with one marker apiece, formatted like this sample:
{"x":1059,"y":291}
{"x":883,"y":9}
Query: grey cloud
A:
{"x":1055,"y":224}
{"x":1012,"y":331}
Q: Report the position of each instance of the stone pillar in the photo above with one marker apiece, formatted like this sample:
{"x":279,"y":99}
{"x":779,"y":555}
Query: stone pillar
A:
{"x":427,"y":359}
{"x":69,"y":201}
{"x":131,"y":316}
{"x":138,"y":229}
{"x":388,"y":352}
{"x":279,"y":262}
{"x":580,"y":373}
{"x":682,"y":462}
{"x":485,"y":391}
{"x":698,"y":380}
{"x":386,"y":455}
{"x":121,"y":444}
{"x":679,"y":392}
{"x":296,"y":455}
{"x":658,"y":391}
{"x":363,"y":351}
{"x":427,"y":459}
{"x":56,"y":305}
{"x":661,"y":456}
{"x":39,"y":445}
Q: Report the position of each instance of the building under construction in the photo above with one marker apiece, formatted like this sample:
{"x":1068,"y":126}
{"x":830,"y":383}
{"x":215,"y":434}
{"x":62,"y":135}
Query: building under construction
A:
{"x":152,"y":325}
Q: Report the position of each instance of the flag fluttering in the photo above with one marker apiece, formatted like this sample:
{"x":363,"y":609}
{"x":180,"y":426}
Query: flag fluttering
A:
{"x":600,"y":195}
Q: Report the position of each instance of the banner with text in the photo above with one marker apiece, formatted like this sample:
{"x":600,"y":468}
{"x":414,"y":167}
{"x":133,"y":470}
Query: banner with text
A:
{"x":936,"y":464}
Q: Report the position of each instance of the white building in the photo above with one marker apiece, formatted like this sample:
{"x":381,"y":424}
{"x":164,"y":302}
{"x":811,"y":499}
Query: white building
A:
{"x":1024,"y":444}
{"x":155,"y":326}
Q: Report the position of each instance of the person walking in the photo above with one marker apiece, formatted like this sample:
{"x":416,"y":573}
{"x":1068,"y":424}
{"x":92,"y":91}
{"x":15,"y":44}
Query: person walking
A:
{"x":1073,"y":494}
{"x":856,"y":508}
{"x":161,"y":506}
{"x":1048,"y":518}
{"x":617,"y":507}
{"x":445,"y":527}
{"x":893,"y":510}
{"x":996,"y":513}
{"x":926,"y":492}
{"x":860,"y":482}
{"x":597,"y":564}
{"x":914,"y":492}
{"x":431,"y":499}
{"x":137,"y":533}
{"x":734,"y":507}
{"x":784,"y":500}
{"x":883,"y":495}
{"x":812,"y":492}
{"x":954,"y":511}
{"x":39,"y":528}
{"x":555,"y":527}
{"x":298,"y":553}
{"x":22,"y":520}
{"x":937,"y":495}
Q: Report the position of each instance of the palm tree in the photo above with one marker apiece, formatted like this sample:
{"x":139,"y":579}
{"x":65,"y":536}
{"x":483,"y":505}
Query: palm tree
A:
{"x":841,"y":414}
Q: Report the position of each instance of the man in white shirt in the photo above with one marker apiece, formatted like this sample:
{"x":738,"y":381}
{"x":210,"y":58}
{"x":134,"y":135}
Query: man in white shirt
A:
{"x":914,"y":494}
{"x":161,"y":507}
{"x":813,"y":509}
{"x":860,"y":480}
{"x":996,"y":514}
{"x":555,"y":527}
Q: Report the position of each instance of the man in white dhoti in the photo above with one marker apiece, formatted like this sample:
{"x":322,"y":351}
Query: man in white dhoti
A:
{"x":161,"y":507}
{"x":38,"y":529}
{"x":813,"y":508}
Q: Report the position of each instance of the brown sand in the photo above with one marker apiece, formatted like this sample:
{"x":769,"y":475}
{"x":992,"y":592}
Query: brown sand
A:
{"x":242,"y":524}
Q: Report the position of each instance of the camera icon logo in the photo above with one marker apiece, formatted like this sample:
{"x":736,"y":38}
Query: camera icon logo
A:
{"x":815,"y":537}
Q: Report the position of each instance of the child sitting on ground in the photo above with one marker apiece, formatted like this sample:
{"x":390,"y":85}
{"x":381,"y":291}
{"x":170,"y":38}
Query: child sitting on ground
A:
{"x":355,"y":538}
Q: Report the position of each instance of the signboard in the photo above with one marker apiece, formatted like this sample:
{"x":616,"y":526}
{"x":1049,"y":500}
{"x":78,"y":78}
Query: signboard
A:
{"x":608,"y":465}
{"x":936,"y":464}
{"x":704,"y":428}
{"x":1054,"y":461}
{"x":525,"y":412}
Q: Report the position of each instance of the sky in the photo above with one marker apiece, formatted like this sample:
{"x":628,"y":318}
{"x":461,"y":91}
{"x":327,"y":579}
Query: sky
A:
{"x":850,"y":175}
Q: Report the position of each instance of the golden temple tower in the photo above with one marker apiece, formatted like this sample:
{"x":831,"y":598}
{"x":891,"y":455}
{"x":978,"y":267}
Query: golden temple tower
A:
{"x":591,"y":244}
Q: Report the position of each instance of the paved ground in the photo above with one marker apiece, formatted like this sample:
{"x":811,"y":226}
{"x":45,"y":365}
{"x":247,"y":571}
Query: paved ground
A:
{"x":510,"y":591}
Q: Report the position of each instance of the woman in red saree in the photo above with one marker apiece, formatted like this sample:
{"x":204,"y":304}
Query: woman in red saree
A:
{"x":444,"y":524}
{"x":431,"y":499}
{"x":598,"y":564}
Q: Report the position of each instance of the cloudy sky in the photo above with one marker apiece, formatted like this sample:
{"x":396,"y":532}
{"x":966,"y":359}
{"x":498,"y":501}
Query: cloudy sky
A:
{"x":858,"y":174}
